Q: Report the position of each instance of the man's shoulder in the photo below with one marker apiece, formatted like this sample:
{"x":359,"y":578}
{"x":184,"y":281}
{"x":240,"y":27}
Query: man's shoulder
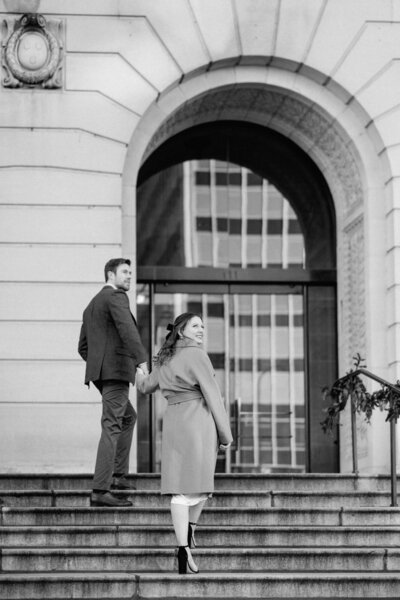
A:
{"x":101,"y":296}
{"x":102,"y":293}
{"x":109,"y":291}
{"x":117,"y":294}
{"x":106,"y":298}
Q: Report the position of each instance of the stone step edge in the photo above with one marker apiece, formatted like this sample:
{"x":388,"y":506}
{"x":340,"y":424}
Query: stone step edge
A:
{"x":208,"y":509}
{"x":311,"y":476}
{"x":219,"y":576}
{"x":236,"y":598}
{"x":239,"y":492}
{"x":201,"y":528}
{"x":383,"y":553}
{"x":166,"y":550}
{"x":233,"y":598}
{"x":140,"y":582}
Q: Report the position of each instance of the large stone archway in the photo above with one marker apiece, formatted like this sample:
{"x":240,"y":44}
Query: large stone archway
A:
{"x":334,"y":136}
{"x":299,"y":119}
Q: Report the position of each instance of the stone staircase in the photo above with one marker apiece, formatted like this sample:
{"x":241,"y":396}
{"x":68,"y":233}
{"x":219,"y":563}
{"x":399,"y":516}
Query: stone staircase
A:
{"x":261,"y":536}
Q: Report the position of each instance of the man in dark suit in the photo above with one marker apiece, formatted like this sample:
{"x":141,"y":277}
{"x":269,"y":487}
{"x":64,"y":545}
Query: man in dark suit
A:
{"x":111,"y":346}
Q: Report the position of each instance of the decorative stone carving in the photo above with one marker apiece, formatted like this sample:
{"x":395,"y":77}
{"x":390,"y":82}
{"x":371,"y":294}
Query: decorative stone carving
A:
{"x":32,"y":52}
{"x":273,"y":108}
{"x":354,"y":319}
{"x":354,"y":325}
{"x":293,"y":110}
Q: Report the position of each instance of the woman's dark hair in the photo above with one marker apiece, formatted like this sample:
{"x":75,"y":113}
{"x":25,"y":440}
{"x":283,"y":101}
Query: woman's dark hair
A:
{"x":167,"y":350}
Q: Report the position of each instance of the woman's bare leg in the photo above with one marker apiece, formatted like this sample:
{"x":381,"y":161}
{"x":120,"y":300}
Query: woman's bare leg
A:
{"x":180,"y":521}
{"x":195,"y":511}
{"x":194,"y":516}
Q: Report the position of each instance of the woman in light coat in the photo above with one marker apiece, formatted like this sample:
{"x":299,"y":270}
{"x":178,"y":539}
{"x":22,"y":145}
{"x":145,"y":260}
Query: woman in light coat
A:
{"x":195,"y":425}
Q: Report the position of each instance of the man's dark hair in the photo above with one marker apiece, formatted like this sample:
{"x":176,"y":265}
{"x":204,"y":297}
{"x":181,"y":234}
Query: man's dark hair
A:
{"x":113,"y":264}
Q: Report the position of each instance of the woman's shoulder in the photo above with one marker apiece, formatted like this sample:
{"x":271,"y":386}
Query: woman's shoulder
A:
{"x":192,"y":349}
{"x":195,"y":358}
{"x":191,"y":353}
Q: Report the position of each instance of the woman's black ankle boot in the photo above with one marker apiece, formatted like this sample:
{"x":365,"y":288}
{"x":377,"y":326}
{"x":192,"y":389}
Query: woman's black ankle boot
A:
{"x":182,"y":560}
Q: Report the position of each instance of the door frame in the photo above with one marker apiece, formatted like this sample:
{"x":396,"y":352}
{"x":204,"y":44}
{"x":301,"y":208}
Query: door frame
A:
{"x":231,"y":280}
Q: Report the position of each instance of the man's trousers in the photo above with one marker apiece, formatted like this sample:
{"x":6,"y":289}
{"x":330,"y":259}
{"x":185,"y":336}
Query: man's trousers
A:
{"x":117,"y":424}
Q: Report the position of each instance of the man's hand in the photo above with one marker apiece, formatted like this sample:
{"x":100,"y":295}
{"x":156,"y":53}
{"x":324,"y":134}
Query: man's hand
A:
{"x":144,"y":368}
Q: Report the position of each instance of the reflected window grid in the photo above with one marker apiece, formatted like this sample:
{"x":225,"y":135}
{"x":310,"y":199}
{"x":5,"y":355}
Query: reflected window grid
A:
{"x":241,"y":220}
{"x":265,"y":377}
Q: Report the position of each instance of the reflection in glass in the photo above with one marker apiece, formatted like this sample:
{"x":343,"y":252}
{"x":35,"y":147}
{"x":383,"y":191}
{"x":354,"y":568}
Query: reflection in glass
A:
{"x":208,"y":213}
{"x":255,"y":342}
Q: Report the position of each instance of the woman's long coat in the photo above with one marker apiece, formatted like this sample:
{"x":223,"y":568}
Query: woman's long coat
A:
{"x":195,"y":421}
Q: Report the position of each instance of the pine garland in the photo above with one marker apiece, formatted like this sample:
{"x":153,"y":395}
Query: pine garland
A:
{"x":351,"y":386}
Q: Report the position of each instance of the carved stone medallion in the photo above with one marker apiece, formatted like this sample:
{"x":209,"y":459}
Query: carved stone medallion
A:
{"x":32,"y":52}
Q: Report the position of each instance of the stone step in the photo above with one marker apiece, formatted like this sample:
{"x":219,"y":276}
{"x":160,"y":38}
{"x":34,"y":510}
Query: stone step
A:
{"x":142,"y":498}
{"x":99,"y":585}
{"x":224,"y":498}
{"x":260,"y":536}
{"x":338,"y":482}
{"x":361,"y":499}
{"x":162,"y":516}
{"x":134,"y":536}
{"x":210,"y":516}
{"x":104,"y":585}
{"x":269,"y":585}
{"x":211,"y":559}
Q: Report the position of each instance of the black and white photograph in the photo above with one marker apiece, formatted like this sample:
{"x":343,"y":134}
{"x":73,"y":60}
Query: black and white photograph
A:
{"x":199,"y":299}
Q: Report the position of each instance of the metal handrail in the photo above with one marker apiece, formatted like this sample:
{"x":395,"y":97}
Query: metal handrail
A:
{"x":393,"y":435}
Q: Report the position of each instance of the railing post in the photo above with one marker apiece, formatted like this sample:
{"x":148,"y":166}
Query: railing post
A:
{"x":393,"y":460}
{"x":354,"y":439}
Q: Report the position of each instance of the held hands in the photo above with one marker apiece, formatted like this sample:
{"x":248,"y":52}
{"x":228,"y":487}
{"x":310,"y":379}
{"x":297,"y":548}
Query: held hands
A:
{"x":141,"y":372}
{"x":142,"y":369}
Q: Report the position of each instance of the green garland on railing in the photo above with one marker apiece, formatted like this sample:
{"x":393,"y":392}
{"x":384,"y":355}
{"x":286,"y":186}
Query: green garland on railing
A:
{"x":351,"y":386}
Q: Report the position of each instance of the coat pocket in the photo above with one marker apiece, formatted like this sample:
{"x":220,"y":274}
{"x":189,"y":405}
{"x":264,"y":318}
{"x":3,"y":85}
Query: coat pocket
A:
{"x":124,"y":352}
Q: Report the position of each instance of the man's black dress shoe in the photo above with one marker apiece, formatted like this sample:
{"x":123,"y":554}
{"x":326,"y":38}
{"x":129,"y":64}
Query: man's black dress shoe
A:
{"x":108,"y":499}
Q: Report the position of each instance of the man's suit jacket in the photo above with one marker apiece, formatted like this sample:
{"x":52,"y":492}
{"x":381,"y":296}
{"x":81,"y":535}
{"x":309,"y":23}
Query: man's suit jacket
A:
{"x":109,"y":341}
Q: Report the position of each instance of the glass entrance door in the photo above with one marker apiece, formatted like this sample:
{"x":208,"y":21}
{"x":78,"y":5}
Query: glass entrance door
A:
{"x":255,"y":340}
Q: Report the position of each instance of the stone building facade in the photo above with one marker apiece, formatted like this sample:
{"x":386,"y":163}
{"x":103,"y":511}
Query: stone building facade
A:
{"x":92,"y":92}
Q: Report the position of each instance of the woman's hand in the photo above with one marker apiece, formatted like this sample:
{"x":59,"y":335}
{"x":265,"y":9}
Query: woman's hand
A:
{"x":224,"y":446}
